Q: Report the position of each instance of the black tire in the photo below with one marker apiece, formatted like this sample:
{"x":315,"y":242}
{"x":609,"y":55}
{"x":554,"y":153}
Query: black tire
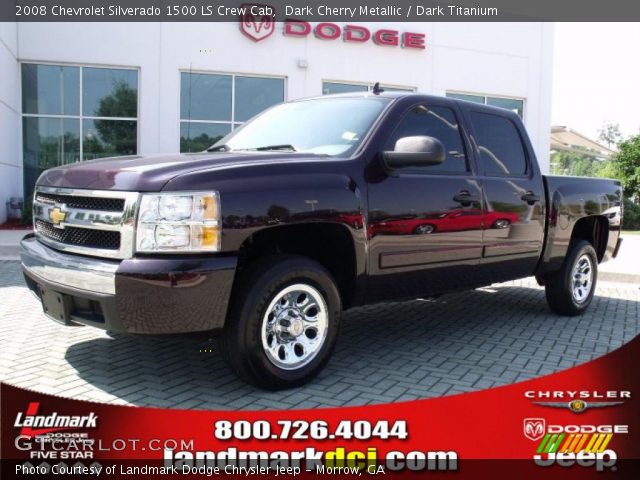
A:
{"x":559,"y":286}
{"x":256,"y":288}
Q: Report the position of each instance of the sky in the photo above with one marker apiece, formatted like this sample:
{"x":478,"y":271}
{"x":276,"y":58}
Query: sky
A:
{"x":596,"y":76}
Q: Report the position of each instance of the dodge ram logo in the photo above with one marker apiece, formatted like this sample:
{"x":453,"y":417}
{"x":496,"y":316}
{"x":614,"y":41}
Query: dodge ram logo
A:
{"x":56,"y":215}
{"x":256,"y":22}
{"x":534,"y":428}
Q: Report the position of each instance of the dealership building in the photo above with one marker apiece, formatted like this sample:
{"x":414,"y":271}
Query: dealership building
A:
{"x":77,"y":91}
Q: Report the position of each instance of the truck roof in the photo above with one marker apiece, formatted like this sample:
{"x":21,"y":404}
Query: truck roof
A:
{"x":395,"y":94}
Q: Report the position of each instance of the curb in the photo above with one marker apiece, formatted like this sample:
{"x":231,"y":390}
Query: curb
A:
{"x":618,"y":277}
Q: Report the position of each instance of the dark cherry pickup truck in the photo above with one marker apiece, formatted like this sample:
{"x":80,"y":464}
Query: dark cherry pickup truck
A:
{"x":312,"y":207}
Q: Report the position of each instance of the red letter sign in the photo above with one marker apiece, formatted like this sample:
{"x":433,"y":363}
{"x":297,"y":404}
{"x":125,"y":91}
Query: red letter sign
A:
{"x":327,"y":31}
{"x":356,"y":33}
{"x":296,"y":28}
{"x":386,"y":37}
{"x":413,"y":40}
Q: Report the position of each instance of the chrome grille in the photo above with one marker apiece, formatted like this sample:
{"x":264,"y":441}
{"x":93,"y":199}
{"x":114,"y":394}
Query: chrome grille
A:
{"x":82,"y":237}
{"x":86,"y":203}
{"x":90,"y":222}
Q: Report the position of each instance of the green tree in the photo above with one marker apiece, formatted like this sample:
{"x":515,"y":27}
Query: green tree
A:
{"x":115,"y":137}
{"x":606,"y":169}
{"x":197,"y":144}
{"x":610,"y":134}
{"x":278,"y":212}
{"x":627,"y":161}
{"x":574,"y":164}
{"x":122,"y":102}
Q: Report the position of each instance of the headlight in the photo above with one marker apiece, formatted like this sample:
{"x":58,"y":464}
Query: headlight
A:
{"x":184,"y":222}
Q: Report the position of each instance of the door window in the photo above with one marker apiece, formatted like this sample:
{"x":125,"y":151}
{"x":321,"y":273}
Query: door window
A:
{"x":500,"y":145}
{"x":437,"y":122}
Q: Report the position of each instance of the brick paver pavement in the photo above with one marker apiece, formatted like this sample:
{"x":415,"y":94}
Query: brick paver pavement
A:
{"x":389,"y":352}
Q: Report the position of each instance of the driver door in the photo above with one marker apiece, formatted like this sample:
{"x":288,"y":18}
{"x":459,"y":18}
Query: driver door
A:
{"x":424,"y":224}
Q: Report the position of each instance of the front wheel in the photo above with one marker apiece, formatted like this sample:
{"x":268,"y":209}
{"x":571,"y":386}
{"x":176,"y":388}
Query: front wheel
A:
{"x":501,"y":223}
{"x":283,"y":323}
{"x":570,"y":290}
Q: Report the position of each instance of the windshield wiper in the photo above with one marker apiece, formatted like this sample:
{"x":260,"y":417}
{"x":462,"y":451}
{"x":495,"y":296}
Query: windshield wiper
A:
{"x":283,"y":146}
{"x":219,"y":148}
{"x":227,"y":148}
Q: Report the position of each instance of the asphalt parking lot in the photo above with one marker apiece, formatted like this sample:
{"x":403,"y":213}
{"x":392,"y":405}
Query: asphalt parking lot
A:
{"x":386,"y":353}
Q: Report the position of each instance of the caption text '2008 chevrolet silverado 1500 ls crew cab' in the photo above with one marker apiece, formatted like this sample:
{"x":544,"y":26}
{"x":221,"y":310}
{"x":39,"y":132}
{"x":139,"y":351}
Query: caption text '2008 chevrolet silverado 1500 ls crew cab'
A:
{"x":312,"y":207}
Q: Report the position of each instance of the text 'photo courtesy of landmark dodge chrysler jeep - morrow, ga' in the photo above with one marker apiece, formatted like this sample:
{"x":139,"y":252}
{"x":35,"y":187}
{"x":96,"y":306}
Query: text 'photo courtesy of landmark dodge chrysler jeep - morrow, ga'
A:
{"x":312,"y":207}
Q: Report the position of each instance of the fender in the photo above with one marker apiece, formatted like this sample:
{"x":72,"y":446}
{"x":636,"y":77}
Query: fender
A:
{"x":275,"y":195}
{"x":570,"y":200}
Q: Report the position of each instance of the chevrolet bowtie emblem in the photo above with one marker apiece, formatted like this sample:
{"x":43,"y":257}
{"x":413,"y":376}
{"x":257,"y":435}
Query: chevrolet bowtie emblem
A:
{"x":56,"y":216}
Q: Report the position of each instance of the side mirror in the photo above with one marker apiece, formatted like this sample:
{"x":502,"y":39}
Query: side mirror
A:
{"x":418,"y":151}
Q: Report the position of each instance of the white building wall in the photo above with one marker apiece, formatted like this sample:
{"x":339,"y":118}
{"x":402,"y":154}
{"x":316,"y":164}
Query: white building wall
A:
{"x":502,"y":59}
{"x":10,"y":145}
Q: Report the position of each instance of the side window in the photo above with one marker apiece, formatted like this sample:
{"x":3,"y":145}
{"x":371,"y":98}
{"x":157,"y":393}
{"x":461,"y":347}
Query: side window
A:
{"x":501,"y":149}
{"x":437,"y":122}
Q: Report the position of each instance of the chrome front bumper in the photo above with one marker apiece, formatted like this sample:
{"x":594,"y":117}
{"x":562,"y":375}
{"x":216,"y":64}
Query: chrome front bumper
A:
{"x":155,"y":295}
{"x":68,"y":270}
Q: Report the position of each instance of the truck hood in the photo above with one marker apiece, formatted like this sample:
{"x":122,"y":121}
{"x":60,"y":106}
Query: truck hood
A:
{"x":151,"y":172}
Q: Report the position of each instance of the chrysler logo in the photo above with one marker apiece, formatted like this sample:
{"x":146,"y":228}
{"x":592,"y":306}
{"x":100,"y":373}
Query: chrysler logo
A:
{"x":578,"y":406}
{"x":56,"y":215}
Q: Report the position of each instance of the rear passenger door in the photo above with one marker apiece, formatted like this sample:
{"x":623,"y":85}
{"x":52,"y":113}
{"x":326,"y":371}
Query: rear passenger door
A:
{"x":514,"y":207}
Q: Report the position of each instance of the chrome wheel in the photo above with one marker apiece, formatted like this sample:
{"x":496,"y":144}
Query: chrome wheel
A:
{"x":294,"y":326}
{"x":582,"y":279}
{"x":424,"y":229}
{"x":500,"y":224}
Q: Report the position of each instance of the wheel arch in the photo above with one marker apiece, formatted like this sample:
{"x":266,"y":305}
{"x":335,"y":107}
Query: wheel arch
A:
{"x":595,"y":230}
{"x":330,"y":244}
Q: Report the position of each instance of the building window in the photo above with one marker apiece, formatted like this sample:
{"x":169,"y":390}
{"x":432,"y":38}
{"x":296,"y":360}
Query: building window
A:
{"x":514,"y":104}
{"x":211,"y":105}
{"x":74,"y":113}
{"x":329,"y":88}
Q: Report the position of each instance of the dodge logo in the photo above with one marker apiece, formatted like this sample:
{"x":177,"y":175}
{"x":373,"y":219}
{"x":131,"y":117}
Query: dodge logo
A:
{"x":255,"y":22}
{"x":534,"y":428}
{"x":56,"y":215}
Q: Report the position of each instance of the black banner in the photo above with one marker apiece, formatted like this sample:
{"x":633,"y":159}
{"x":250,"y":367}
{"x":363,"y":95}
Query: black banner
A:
{"x":314,"y":11}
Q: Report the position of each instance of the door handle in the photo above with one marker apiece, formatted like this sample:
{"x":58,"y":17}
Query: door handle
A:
{"x":530,"y":198}
{"x":465,"y":198}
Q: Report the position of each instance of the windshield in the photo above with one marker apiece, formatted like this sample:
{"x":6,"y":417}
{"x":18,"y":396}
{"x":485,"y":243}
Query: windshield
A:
{"x":324,"y":126}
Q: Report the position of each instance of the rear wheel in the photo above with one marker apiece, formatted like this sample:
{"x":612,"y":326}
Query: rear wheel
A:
{"x":570,"y":290}
{"x":283,"y":323}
